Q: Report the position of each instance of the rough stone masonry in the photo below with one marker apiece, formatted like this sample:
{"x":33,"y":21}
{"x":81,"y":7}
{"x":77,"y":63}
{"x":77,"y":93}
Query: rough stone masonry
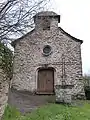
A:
{"x":49,"y":46}
{"x":4,"y":86}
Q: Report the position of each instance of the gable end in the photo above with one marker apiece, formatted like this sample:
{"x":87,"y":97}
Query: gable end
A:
{"x":13,"y":43}
{"x":77,"y":40}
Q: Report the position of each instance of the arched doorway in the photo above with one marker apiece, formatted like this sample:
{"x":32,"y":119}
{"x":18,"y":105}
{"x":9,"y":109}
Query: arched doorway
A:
{"x":45,"y":83}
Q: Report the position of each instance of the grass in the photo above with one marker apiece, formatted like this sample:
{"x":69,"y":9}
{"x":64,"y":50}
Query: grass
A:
{"x":51,"y":112}
{"x":11,"y":113}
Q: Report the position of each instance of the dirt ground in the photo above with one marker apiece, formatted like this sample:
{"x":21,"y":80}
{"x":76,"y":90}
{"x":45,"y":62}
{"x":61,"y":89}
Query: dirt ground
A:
{"x":27,"y":102}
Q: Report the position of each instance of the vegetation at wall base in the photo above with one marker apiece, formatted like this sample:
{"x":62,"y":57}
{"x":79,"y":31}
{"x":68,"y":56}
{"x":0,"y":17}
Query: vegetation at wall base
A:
{"x":11,"y":113}
{"x":51,"y":112}
{"x":86,"y":80}
{"x":87,"y":92}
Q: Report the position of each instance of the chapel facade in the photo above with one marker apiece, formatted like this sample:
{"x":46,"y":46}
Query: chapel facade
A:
{"x":48,"y":59}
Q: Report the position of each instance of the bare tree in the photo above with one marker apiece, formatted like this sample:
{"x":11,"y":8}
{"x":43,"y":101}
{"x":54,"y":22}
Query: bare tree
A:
{"x":16,"y":17}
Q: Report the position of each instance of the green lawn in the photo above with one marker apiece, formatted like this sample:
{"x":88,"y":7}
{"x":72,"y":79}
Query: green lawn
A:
{"x":52,"y":112}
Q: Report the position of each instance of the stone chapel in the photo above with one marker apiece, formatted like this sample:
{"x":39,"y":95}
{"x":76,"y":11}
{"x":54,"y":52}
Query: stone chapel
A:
{"x":47,"y":60}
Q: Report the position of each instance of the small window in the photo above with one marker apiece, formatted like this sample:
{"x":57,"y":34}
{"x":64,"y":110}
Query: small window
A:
{"x":47,"y":50}
{"x":46,"y":24}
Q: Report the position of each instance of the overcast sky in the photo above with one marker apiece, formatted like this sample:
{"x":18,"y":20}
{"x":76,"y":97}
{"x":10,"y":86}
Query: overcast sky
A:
{"x":75,"y":19}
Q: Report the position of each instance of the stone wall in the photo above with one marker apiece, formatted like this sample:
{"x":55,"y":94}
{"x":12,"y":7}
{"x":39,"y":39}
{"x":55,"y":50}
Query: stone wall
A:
{"x":28,"y":58}
{"x":3,"y":91}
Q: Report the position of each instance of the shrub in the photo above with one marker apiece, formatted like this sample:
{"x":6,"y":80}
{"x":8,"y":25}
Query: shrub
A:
{"x":6,"y":58}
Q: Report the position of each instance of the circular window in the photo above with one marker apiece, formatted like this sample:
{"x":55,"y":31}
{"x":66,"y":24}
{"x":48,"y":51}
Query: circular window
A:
{"x":47,"y":50}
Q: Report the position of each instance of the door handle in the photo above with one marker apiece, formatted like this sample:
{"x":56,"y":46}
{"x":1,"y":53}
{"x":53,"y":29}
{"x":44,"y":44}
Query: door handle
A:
{"x":48,"y":80}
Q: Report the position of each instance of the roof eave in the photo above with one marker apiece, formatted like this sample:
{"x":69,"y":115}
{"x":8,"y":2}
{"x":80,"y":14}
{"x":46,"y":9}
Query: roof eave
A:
{"x":13,"y":43}
{"x":74,"y":38}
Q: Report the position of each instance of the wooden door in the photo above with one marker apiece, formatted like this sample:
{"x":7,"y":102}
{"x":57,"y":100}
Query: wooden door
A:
{"x":45,"y":81}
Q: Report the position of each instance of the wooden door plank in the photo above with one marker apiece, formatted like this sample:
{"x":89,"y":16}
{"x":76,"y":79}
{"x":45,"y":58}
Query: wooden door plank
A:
{"x":45,"y":81}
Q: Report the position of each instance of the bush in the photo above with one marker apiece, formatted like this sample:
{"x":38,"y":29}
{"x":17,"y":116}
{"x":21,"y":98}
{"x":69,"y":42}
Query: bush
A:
{"x":87,"y":92}
{"x":86,"y":79}
{"x":6,"y":58}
